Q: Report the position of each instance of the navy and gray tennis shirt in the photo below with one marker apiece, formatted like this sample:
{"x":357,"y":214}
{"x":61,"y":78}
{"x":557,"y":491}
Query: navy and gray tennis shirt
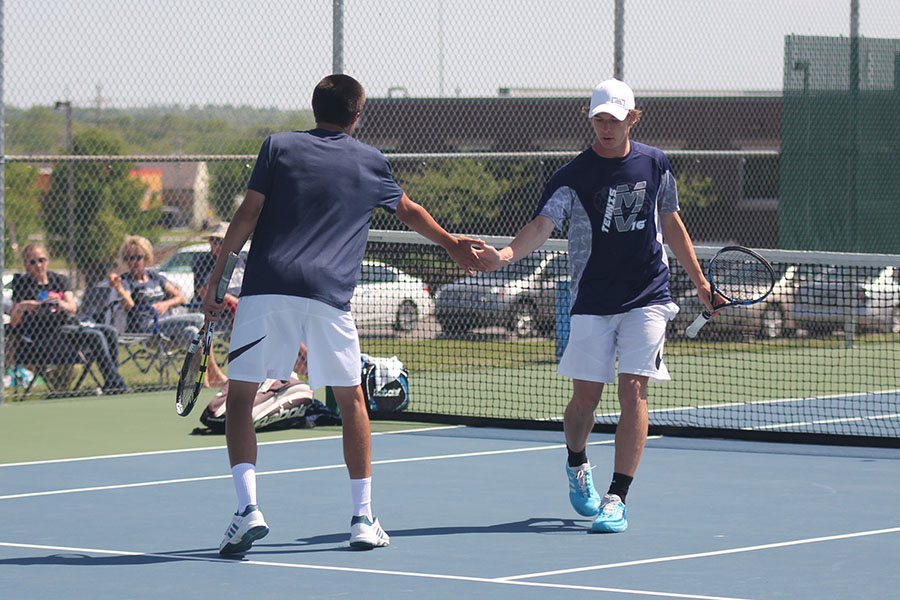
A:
{"x":616,"y":256}
{"x":320,"y":188}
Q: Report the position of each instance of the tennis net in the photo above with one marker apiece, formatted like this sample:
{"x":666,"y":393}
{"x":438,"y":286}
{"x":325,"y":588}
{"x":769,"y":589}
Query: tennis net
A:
{"x":818,"y":361}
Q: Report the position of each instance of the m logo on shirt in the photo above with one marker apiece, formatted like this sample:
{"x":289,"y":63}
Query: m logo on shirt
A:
{"x":623,"y":205}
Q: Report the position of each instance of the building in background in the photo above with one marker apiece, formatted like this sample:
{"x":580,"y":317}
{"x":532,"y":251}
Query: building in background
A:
{"x":182,"y":188}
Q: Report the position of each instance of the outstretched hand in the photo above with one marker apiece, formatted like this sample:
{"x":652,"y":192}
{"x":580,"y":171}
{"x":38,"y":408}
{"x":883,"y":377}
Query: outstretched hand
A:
{"x":467,"y":253}
{"x":492,"y":259}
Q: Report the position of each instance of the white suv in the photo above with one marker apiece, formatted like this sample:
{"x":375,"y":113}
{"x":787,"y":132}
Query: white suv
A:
{"x":179,"y":269}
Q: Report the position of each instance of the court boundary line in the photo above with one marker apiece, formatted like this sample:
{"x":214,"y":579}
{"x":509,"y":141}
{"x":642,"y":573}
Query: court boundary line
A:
{"x":679,"y":557}
{"x":599,"y":417}
{"x":221,"y":447}
{"x":412,"y":574}
{"x":822,"y":422}
{"x":387,"y":461}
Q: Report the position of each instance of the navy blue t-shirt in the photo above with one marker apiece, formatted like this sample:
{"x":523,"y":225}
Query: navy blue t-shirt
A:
{"x":616,"y":254}
{"x":320,"y":188}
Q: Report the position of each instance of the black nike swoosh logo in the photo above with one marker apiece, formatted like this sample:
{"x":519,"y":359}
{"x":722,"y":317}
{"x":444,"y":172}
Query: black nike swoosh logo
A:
{"x":238,"y":351}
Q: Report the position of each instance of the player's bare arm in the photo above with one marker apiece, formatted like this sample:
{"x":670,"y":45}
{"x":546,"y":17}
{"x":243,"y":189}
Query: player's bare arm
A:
{"x":679,"y":241}
{"x":465,"y":251}
{"x":242,"y":225}
{"x":530,"y":238}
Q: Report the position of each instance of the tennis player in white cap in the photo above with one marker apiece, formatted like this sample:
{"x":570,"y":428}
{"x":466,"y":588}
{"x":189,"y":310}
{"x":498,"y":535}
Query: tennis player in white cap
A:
{"x":620,"y":200}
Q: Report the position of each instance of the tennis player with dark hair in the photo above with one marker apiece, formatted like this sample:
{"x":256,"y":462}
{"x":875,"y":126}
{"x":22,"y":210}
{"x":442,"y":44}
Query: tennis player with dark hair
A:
{"x":620,"y":199}
{"x":308,"y":206}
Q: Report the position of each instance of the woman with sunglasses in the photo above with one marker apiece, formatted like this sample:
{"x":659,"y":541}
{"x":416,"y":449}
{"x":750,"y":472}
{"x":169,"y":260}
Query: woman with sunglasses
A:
{"x":148,"y":297}
{"x":44,"y":310}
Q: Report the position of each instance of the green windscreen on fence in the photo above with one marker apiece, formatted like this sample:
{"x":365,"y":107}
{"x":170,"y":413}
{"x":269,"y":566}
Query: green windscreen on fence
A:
{"x":840,"y":148}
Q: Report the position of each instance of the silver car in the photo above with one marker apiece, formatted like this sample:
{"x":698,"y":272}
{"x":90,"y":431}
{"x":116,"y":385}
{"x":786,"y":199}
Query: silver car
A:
{"x":767,"y":319}
{"x":520,"y":297}
{"x":810,"y":299}
{"x":829,"y":299}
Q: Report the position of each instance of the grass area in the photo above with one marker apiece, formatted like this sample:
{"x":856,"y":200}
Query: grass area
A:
{"x":478,"y":352}
{"x":480,"y":385}
{"x":500,"y":377}
{"x":92,"y":426}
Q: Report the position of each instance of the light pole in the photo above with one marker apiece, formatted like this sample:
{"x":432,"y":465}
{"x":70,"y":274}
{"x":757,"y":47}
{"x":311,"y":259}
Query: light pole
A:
{"x":441,"y":47}
{"x":70,"y":186}
{"x":337,"y":36}
{"x":619,"y":41}
{"x":803,"y":65}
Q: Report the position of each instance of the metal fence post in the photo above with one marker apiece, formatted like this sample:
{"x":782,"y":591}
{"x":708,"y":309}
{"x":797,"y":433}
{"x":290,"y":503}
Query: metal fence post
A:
{"x":619,"y":53}
{"x":337,"y":37}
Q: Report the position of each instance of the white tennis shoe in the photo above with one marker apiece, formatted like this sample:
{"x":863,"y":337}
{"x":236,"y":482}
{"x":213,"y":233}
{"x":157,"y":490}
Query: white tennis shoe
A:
{"x":366,"y":534}
{"x":245,"y":529}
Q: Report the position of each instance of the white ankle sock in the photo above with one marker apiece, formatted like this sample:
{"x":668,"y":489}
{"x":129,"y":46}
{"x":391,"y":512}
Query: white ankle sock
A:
{"x":361,"y":491}
{"x":244,"y":476}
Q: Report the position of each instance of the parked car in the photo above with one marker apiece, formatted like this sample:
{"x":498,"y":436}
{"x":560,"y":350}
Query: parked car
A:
{"x":823,"y":299}
{"x":812,"y":298}
{"x":767,"y":319}
{"x":520,"y":297}
{"x":7,"y":291}
{"x":386,"y":295}
{"x":178,"y":268}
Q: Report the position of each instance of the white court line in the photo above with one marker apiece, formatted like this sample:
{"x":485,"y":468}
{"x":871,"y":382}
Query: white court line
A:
{"x":261,"y":563}
{"x":121,"y":486}
{"x":663,"y":559}
{"x":823,"y":422}
{"x":160,"y":452}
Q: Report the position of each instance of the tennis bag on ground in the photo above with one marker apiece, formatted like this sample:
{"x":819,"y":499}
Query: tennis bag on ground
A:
{"x":385,"y":384}
{"x":278,"y":405}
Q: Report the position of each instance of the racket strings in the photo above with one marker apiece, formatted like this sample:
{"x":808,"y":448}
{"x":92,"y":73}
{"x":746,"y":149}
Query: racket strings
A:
{"x":739,"y":276}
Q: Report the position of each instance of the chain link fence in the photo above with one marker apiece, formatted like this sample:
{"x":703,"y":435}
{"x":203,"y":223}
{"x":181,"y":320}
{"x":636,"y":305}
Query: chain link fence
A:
{"x":145,"y":118}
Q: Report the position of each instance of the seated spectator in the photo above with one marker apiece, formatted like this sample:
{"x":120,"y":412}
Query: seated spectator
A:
{"x":204,"y":264}
{"x":43,"y":311}
{"x":142,"y":287}
{"x":202,"y":268}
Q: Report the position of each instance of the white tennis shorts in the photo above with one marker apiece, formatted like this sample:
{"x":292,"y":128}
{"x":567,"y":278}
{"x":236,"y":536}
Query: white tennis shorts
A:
{"x":635,"y":339}
{"x":267,"y":333}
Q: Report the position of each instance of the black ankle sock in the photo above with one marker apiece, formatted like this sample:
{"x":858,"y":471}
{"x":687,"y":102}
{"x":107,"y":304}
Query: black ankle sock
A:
{"x":620,"y":484}
{"x":576,"y":459}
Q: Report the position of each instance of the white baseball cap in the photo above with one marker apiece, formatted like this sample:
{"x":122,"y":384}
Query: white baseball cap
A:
{"x":613,"y":97}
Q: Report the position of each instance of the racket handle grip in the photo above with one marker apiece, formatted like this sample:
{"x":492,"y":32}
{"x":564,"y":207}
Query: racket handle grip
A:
{"x":226,"y":276}
{"x":701,"y":320}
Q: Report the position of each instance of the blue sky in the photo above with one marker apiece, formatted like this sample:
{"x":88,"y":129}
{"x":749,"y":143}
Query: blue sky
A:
{"x":271,"y":52}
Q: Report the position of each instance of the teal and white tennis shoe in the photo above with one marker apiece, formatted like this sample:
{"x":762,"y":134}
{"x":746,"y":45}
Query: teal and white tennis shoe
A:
{"x":245,"y":529}
{"x":366,"y":534}
{"x":612,"y":516}
{"x":584,"y":498}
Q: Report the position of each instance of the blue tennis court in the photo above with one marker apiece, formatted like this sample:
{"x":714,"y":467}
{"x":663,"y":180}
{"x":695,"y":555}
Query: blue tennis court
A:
{"x":834,"y":415}
{"x":472,"y":512}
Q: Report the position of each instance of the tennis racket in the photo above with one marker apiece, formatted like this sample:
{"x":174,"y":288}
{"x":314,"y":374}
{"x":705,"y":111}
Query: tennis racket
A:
{"x":194,"y":367}
{"x":740,"y":276}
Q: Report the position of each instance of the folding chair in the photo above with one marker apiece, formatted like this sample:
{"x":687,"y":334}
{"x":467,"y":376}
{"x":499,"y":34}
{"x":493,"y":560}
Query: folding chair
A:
{"x":150,"y":353}
{"x":52,"y":360}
